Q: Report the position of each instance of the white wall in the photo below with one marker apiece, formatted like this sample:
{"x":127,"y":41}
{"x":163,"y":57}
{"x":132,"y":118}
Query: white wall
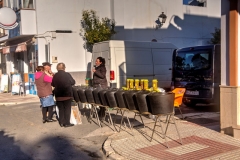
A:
{"x":66,"y":15}
{"x":135,"y":20}
{"x":28,"y":22}
{"x":185,"y":25}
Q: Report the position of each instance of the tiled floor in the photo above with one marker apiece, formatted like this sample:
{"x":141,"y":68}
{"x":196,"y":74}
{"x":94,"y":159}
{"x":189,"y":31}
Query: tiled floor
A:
{"x":199,"y":141}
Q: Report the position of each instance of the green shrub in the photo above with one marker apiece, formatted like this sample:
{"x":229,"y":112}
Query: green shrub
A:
{"x":95,"y":30}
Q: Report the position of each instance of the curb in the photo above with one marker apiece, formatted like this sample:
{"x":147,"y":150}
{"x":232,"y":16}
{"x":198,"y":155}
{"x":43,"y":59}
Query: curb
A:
{"x":109,"y":152}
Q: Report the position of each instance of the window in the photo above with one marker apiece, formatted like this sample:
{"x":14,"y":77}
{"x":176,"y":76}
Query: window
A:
{"x":196,"y":60}
{"x":19,"y":4}
{"x":200,"y":3}
{"x":27,"y":4}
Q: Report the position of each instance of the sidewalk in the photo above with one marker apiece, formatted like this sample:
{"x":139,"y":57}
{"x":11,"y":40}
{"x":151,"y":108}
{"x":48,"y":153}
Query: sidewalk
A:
{"x":200,"y":136}
{"x":199,"y":132}
{"x":7,"y":99}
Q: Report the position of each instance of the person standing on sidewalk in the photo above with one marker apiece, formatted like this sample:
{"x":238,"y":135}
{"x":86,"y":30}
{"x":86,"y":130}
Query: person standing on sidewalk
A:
{"x":63,"y":82}
{"x":44,"y":90}
{"x":100,"y":80}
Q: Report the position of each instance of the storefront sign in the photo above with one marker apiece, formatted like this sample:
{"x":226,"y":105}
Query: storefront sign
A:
{"x":16,"y":81}
{"x":4,"y":83}
{"x":21,"y":47}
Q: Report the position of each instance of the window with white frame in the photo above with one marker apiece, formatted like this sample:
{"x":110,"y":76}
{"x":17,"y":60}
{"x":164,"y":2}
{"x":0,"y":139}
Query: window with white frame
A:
{"x":199,"y":3}
{"x":19,"y":4}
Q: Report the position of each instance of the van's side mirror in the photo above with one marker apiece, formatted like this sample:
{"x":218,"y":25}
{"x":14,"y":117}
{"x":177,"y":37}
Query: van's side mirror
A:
{"x":170,"y":68}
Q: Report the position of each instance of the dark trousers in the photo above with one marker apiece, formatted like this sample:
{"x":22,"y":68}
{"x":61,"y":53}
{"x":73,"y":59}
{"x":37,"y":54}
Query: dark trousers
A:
{"x":64,"y":111}
{"x":49,"y":110}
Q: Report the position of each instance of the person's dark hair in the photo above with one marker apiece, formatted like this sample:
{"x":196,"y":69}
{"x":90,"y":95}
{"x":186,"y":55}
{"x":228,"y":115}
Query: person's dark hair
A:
{"x":39,"y":68}
{"x":101,"y":59}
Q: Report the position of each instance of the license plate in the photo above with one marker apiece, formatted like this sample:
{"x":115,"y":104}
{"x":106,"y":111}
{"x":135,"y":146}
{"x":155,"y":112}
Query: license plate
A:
{"x":192,"y":92}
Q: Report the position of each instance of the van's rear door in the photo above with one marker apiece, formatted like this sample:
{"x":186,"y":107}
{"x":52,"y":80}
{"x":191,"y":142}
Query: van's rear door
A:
{"x":162,"y":64}
{"x":135,"y":63}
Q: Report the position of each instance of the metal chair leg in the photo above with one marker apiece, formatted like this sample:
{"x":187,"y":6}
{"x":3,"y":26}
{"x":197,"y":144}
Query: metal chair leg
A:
{"x":180,"y":112}
{"x":93,"y":110}
{"x":154,"y":128}
{"x":110,"y":117}
{"x":134,"y":118}
{"x":96,"y":114}
{"x":177,"y":128}
{"x":129,"y":123}
{"x":165,"y":133}
{"x":142,"y":120}
{"x":122,"y":113}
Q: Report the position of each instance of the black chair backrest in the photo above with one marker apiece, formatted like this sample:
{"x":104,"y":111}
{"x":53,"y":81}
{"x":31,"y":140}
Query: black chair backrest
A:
{"x":143,"y":101}
{"x":103,"y":98}
{"x":111,"y":98}
{"x":75,"y":94}
{"x":82,"y":96}
{"x":120,"y":99}
{"x":130,"y":99}
{"x":96,"y":96}
{"x":89,"y":95}
{"x":161,"y":103}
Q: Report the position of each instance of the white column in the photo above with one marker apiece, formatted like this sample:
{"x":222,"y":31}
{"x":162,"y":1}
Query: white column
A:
{"x":25,"y":65}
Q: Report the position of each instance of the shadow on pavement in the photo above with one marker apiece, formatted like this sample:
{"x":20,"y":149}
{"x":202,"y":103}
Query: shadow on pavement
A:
{"x":48,"y":148}
{"x":8,"y":150}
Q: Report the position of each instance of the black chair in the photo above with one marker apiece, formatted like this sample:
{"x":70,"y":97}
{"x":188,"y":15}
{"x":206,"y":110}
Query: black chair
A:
{"x":162,"y":104}
{"x":143,"y":102}
{"x":132,"y":105}
{"x":106,"y":103}
{"x":75,"y":93}
{"x":91,"y":101}
{"x":82,"y":96}
{"x":122,"y":106}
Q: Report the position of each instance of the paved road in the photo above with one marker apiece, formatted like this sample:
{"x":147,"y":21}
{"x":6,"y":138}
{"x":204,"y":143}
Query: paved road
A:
{"x":24,"y":136}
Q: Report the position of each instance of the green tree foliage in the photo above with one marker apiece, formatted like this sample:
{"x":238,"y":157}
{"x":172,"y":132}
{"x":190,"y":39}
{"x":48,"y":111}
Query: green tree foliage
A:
{"x":216,"y":36}
{"x":96,"y":30}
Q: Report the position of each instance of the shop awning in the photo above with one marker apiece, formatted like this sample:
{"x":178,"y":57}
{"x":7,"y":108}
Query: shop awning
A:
{"x":15,"y":48}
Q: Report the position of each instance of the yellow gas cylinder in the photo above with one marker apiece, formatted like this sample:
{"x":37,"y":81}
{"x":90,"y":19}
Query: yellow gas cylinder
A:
{"x":155,"y":84}
{"x":131,"y":83}
{"x":145,"y":84}
{"x":136,"y":84}
{"x":142,"y":84}
{"x":127,"y":83}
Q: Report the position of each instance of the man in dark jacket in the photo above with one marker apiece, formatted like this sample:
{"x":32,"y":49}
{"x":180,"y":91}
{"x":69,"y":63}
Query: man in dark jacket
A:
{"x":63,"y":81}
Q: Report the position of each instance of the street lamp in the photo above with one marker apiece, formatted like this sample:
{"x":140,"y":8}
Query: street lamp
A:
{"x":161,"y":19}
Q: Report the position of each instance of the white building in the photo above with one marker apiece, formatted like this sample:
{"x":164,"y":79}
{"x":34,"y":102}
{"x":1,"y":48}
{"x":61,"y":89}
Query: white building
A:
{"x":135,"y":20}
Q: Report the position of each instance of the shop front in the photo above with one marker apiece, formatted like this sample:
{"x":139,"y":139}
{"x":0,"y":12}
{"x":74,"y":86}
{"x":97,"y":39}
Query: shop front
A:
{"x":21,"y":60}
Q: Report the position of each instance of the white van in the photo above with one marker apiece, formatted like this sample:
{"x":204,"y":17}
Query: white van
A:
{"x":136,"y":60}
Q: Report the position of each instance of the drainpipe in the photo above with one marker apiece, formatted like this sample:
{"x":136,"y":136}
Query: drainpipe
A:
{"x":233,"y":43}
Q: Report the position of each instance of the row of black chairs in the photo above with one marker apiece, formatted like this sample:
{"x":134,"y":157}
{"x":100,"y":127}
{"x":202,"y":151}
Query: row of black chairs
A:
{"x":139,"y":102}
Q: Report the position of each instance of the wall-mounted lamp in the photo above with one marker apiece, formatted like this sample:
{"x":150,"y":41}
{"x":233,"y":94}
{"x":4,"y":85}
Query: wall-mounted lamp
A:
{"x":161,"y":19}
